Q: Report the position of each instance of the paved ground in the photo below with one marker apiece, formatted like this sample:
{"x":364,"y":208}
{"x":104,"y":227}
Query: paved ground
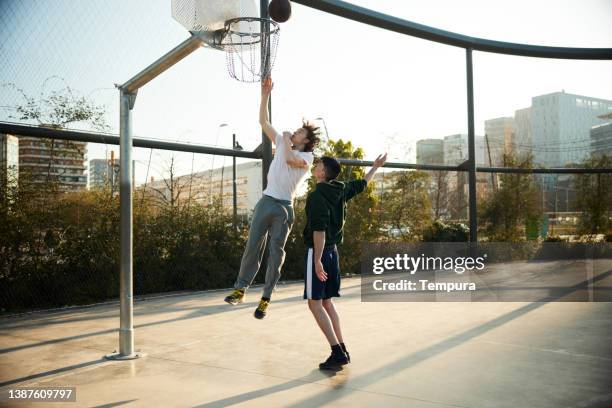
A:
{"x":203,"y":353}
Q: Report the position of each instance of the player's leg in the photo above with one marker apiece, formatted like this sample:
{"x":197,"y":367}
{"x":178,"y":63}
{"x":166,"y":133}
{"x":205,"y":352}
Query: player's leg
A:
{"x":331,"y":311}
{"x":329,"y":307}
{"x":331,"y":263}
{"x":323,"y":320}
{"x":281,"y":220}
{"x":253,"y":252}
{"x":314,"y":291}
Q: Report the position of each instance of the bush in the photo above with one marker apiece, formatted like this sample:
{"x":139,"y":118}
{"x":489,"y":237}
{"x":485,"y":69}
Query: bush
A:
{"x":554,"y":238}
{"x":59,"y":249}
{"x":446,"y":232}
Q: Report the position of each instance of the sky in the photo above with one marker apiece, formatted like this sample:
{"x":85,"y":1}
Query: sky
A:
{"x":381,"y":90}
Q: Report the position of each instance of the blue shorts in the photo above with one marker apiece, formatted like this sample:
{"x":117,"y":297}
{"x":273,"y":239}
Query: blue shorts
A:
{"x":315,"y":288}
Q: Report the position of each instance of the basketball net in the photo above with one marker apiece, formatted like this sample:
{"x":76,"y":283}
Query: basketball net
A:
{"x":250,"y":45}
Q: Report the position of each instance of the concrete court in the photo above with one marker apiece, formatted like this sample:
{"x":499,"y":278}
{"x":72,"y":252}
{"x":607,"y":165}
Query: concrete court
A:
{"x":202,"y":352}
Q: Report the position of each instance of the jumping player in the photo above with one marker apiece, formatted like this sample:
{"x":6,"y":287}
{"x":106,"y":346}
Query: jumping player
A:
{"x":273,"y":215}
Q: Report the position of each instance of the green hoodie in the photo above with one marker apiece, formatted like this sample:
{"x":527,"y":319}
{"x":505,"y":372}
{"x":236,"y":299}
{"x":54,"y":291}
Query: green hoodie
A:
{"x":326,"y":209}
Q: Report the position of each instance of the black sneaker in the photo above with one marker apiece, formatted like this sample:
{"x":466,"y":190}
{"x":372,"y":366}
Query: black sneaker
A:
{"x":260,"y":312}
{"x":236,"y":297}
{"x":334,"y":362}
{"x":348,"y":356}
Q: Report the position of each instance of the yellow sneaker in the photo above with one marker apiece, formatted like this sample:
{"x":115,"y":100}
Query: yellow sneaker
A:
{"x":260,"y":312}
{"x":236,"y":297}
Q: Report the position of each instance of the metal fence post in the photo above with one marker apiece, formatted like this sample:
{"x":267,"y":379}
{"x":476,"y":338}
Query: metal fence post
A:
{"x":471,"y":149}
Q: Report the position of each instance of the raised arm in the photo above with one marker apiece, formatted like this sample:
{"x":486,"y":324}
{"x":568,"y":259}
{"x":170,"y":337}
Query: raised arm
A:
{"x":264,"y":116}
{"x":380,"y":160}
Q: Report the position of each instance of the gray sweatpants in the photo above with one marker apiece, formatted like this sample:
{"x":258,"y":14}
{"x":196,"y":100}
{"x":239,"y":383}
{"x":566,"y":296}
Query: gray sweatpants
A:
{"x":272,"y":218}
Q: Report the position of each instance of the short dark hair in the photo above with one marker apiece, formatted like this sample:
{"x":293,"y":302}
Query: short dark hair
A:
{"x":312,"y":133}
{"x":332,"y":167}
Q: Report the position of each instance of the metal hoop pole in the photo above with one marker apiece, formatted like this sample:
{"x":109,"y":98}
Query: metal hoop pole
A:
{"x":265,"y":142}
{"x":126,"y":303}
{"x":126,"y":331}
{"x":127,"y":98}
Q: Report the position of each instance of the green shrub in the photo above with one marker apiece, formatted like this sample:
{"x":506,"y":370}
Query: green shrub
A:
{"x":446,"y":232}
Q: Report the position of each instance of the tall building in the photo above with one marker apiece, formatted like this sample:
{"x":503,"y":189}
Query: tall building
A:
{"x":9,"y":159}
{"x":104,"y":173}
{"x":456,"y":152}
{"x":601,"y":137}
{"x":561,"y":124}
{"x":9,"y":151}
{"x":522,"y":141}
{"x":207,"y":185}
{"x":498,"y":140}
{"x":430,"y":151}
{"x":456,"y":149}
{"x":63,"y":161}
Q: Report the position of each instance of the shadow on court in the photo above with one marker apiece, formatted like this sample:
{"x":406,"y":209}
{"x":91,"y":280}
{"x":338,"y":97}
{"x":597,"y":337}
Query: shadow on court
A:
{"x":209,"y":354}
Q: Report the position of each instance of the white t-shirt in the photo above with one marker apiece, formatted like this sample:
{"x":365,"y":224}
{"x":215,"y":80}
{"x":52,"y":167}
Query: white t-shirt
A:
{"x":283,"y":179}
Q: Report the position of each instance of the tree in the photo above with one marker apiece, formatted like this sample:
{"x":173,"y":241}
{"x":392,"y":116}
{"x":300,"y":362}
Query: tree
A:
{"x":439,"y":195}
{"x":361,"y":223}
{"x":173,"y":188}
{"x":594,"y":197}
{"x":457,"y":197}
{"x":58,"y":109}
{"x":407,"y":208}
{"x":512,"y":205}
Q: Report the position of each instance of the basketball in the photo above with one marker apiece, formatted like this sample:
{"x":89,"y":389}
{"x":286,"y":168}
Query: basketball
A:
{"x":280,"y":10}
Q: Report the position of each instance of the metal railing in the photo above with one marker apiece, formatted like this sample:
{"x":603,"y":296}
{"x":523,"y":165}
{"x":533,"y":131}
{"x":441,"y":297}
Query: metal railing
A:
{"x":141,"y":142}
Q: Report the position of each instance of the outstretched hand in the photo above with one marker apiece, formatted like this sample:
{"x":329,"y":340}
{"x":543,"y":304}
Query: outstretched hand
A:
{"x":267,"y":85}
{"x":380,"y":160}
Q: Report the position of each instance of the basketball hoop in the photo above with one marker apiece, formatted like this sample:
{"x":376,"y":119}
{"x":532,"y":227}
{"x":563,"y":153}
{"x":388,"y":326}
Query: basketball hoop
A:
{"x":233,"y":26}
{"x":250,"y":47}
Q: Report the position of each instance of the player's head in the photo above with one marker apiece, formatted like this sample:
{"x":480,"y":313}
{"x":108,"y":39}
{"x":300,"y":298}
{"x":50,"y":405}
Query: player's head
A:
{"x":306,"y":138}
{"x":326,"y":169}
